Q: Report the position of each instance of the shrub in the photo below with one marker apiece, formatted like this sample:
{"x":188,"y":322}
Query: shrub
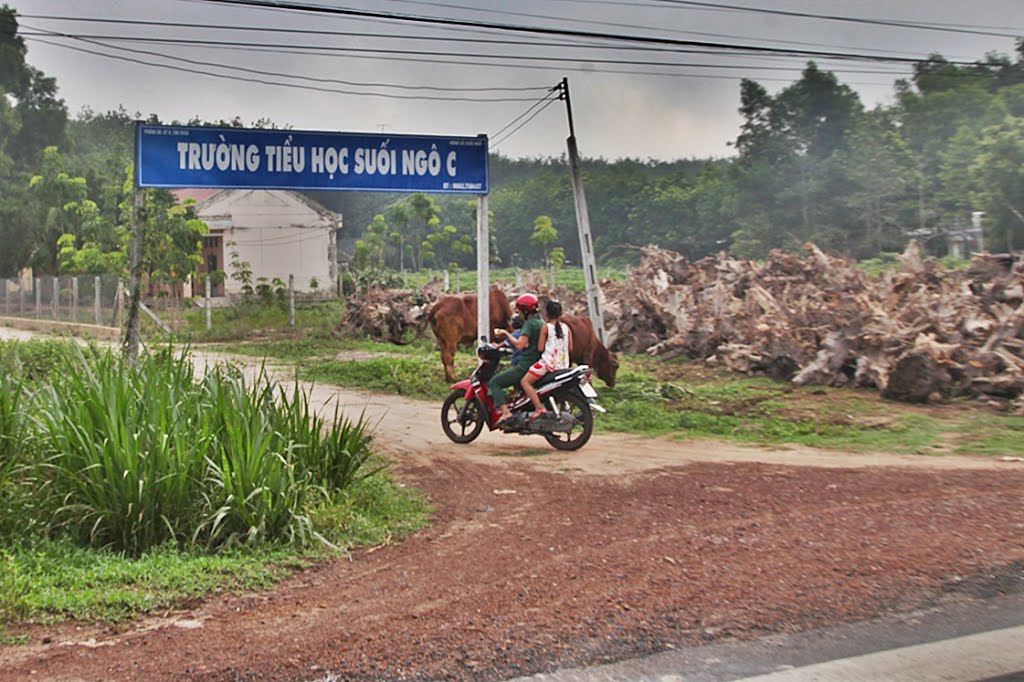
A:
{"x":133,"y":457}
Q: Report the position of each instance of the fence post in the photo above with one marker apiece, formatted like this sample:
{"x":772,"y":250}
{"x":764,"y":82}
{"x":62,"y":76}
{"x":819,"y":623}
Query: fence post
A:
{"x":56,"y":297}
{"x":74,"y":299}
{"x":21,"y":296}
{"x":118,"y":302}
{"x":7,"y":299}
{"x":291,"y":300}
{"x":96,"y":288}
{"x":37,"y":283}
{"x":209,"y":314}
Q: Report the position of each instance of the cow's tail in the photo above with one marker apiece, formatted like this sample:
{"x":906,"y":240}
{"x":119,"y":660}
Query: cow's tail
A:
{"x":419,"y":332}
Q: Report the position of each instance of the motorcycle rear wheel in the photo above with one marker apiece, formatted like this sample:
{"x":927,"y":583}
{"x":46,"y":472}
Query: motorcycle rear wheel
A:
{"x":462,"y":420}
{"x":583,"y":416}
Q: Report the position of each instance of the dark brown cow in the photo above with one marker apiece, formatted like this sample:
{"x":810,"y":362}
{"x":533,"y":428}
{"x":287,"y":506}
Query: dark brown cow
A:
{"x":587,"y":349}
{"x":453,"y":321}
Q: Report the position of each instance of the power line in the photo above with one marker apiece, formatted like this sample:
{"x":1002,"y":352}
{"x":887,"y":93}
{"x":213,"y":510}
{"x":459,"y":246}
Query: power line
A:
{"x":479,"y":64}
{"x":296,"y":31}
{"x":389,"y":36}
{"x":561,"y":67}
{"x":314,"y":79}
{"x":925,"y":26}
{"x":96,"y":39}
{"x":536,"y":104}
{"x":512,"y":132}
{"x":262,"y":81}
{"x":759,"y":49}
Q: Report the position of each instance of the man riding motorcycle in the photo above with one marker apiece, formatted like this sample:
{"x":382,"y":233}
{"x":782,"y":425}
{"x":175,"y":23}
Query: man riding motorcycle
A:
{"x":528,"y":306}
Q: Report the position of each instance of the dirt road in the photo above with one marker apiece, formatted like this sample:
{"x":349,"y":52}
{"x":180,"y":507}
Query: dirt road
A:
{"x":548,"y":560}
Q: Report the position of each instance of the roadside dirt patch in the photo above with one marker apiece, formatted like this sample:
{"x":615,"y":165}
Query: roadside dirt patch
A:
{"x":531,"y":566}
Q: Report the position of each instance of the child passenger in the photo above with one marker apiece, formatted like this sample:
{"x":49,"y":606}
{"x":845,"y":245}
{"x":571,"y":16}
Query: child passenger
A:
{"x":556,"y":340}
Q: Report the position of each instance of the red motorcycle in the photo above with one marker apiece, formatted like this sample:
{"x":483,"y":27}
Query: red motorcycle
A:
{"x":569,"y":398}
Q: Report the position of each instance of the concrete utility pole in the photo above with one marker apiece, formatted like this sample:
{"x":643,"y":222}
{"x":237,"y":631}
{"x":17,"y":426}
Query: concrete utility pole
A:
{"x":583,"y":221}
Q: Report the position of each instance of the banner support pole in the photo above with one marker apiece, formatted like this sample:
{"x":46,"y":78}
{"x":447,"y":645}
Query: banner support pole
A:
{"x":483,"y":274}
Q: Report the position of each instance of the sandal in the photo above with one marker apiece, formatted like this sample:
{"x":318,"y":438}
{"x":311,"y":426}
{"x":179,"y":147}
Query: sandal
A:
{"x":539,"y":413}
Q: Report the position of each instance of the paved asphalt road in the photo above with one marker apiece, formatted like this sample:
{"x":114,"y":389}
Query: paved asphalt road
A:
{"x":966,"y":641}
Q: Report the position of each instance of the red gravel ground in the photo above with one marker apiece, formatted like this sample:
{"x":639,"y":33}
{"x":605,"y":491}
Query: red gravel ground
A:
{"x":537,"y":563}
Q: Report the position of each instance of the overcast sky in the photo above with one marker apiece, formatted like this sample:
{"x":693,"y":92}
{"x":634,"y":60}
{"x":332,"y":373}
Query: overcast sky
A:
{"x":637,"y":100}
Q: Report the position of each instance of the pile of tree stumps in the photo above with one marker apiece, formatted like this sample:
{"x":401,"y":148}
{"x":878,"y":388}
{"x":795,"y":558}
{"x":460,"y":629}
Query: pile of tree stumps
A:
{"x":918,"y":333}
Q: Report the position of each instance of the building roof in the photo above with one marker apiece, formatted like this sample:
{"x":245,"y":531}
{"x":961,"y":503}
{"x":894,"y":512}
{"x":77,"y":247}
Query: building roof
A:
{"x":197,"y":195}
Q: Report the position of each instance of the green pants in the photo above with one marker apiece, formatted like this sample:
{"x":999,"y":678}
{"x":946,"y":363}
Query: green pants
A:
{"x":502,"y":380}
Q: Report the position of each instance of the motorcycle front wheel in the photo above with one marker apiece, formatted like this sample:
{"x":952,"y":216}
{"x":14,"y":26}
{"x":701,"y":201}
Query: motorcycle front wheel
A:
{"x":462,"y":420}
{"x":583,"y":423}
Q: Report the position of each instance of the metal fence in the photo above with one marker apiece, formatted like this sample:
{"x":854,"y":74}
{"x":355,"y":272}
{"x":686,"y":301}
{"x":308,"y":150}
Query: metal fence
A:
{"x":85,"y":299}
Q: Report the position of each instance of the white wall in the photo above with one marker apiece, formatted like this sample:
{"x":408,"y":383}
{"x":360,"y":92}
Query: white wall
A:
{"x":279,"y":233}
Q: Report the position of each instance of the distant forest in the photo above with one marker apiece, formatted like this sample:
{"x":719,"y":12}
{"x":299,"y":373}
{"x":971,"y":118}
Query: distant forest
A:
{"x":811,"y":164}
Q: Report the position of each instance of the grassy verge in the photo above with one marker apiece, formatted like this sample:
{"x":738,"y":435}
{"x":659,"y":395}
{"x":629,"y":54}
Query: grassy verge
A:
{"x":46,"y":580}
{"x":125,"y":489}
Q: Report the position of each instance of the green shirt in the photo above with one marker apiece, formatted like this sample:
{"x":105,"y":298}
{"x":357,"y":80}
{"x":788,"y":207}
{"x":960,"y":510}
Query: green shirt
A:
{"x":531,"y":330}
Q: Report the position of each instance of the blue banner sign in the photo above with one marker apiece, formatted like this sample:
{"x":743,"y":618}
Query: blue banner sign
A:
{"x":227,"y":158}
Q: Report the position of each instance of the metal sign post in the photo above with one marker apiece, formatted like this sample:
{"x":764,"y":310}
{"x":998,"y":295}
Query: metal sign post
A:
{"x":483,"y":272}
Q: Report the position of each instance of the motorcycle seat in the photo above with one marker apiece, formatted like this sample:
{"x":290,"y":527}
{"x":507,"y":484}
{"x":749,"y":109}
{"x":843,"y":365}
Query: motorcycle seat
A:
{"x":551,"y":376}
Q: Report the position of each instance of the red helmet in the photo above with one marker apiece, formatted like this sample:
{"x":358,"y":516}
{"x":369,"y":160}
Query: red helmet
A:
{"x":528,"y":303}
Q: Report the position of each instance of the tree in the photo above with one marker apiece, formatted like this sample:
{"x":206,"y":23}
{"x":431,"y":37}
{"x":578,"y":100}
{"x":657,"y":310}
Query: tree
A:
{"x":31,"y":118}
{"x":52,"y":190}
{"x":789,"y":172}
{"x":544,"y":234}
{"x":412,"y":219}
{"x":880,"y":204}
{"x":998,"y":172}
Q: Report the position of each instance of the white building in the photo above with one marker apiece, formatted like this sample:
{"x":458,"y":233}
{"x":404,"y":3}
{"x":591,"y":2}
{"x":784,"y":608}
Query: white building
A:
{"x":277,"y":232}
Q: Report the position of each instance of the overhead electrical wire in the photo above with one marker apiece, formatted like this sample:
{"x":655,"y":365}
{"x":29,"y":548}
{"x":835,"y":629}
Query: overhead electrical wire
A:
{"x":626,"y":38}
{"x":701,"y":5}
{"x":262,"y":81}
{"x":427,"y":60}
{"x":389,"y":36}
{"x":536,"y":104}
{"x":193,"y":42}
{"x":314,"y":79}
{"x":314,"y":48}
{"x":497,"y":143}
{"x":925,"y":26}
{"x":406,"y":59}
{"x":608,"y":41}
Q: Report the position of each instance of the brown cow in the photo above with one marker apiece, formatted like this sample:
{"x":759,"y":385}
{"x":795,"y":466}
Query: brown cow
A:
{"x":587,"y":349}
{"x":453,"y":321}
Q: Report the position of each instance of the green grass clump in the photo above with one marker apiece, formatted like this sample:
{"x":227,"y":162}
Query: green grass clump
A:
{"x":133,"y":457}
{"x":33,"y":360}
{"x":413,"y":376}
{"x":258,"y":320}
{"x":61,"y":579}
{"x":132,"y":488}
{"x":992,"y":434}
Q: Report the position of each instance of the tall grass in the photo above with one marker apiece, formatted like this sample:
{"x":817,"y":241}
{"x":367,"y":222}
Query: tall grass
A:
{"x":121,"y":448}
{"x":11,"y":424}
{"x":131,"y":458}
